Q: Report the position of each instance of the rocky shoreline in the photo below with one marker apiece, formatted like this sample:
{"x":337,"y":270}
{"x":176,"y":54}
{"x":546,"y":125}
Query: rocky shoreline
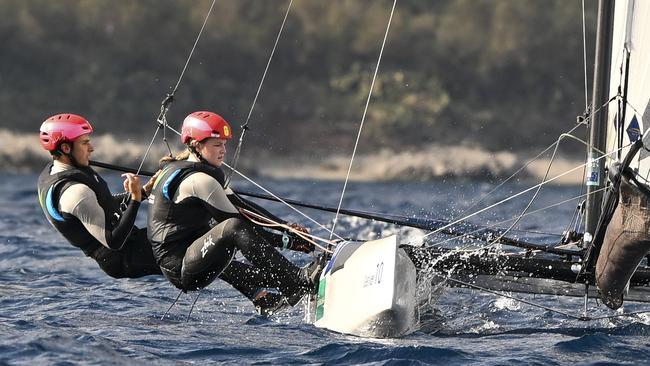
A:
{"x":21,"y":153}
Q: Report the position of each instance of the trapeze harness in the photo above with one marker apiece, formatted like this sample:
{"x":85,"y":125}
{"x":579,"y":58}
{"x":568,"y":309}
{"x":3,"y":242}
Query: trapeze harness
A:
{"x":192,"y":254}
{"x":119,"y":247}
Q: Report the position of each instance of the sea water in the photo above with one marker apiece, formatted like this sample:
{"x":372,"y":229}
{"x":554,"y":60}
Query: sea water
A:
{"x":57,"y":307}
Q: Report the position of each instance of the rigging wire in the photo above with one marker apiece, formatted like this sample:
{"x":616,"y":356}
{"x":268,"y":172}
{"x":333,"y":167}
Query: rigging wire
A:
{"x":363,"y":118}
{"x":587,"y":105}
{"x":153,"y":138}
{"x":198,"y":293}
{"x":518,"y":194}
{"x":548,"y":169}
{"x":162,"y":122}
{"x":584,"y":122}
{"x":376,"y":216}
{"x":539,"y":187}
{"x":172,"y":305}
{"x":584,"y":55}
{"x":259,"y":88}
{"x":166,"y":103}
{"x":468,"y":235}
{"x":530,"y":161}
{"x":196,"y":41}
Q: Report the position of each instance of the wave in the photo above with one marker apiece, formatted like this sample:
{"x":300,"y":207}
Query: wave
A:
{"x":22,"y":153}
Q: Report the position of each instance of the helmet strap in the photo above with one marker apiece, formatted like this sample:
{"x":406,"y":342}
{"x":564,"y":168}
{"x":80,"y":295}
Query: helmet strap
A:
{"x":196,"y":152}
{"x":70,"y":156}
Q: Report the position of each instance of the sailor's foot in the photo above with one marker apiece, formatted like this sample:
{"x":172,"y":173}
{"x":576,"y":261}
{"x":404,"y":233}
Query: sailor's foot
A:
{"x":313,"y":271}
{"x":310,"y":275}
{"x":269,"y":303}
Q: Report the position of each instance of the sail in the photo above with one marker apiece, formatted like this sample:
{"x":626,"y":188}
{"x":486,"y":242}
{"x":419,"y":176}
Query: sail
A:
{"x":630,"y":57}
{"x":627,"y":237}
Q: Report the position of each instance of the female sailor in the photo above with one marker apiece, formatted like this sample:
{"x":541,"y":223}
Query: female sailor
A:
{"x":189,"y":195}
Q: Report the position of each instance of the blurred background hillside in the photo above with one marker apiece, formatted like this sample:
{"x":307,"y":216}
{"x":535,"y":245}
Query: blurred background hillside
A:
{"x":499,"y":75}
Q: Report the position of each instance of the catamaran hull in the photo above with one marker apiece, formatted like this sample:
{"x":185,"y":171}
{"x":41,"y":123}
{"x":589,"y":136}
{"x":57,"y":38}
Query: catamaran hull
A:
{"x":369,"y":290}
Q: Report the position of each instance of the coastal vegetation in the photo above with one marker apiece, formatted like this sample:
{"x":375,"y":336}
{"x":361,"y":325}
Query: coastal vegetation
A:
{"x":498,"y":74}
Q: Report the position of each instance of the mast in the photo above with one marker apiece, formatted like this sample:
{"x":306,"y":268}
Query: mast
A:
{"x":598,"y":124}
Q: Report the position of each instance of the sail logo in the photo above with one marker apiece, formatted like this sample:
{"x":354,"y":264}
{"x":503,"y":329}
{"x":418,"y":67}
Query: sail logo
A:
{"x":633,"y":130}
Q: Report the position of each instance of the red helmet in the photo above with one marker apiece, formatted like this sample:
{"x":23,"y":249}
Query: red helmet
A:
{"x":202,"y":125}
{"x":63,"y":128}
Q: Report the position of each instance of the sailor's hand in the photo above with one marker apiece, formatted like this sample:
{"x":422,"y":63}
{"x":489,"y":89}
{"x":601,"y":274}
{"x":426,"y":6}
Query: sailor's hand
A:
{"x":299,"y":243}
{"x":149,"y":186}
{"x":133,"y":186}
{"x":298,"y":227}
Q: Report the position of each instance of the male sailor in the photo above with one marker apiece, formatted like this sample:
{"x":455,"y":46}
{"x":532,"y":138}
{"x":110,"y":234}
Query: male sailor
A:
{"x":190,"y":194}
{"x":79,"y":204}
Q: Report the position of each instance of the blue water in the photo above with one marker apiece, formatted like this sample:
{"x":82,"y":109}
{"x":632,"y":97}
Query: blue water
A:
{"x":57,"y":307}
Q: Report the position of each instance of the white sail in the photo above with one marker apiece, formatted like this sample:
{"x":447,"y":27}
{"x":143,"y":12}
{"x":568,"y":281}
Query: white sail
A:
{"x":631,"y":38}
{"x":625,"y":241}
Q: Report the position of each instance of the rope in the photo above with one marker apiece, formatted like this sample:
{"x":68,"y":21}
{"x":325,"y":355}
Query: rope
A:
{"x":254,"y":217}
{"x":259,"y":88}
{"x":523,"y":212}
{"x":363,"y":118}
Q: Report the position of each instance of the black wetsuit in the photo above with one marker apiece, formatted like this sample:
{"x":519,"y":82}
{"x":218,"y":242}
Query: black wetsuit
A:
{"x":192,"y":254}
{"x":120,"y":248}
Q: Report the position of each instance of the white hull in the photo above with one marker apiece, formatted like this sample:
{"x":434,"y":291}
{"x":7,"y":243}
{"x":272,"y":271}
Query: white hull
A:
{"x":369,"y":289}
